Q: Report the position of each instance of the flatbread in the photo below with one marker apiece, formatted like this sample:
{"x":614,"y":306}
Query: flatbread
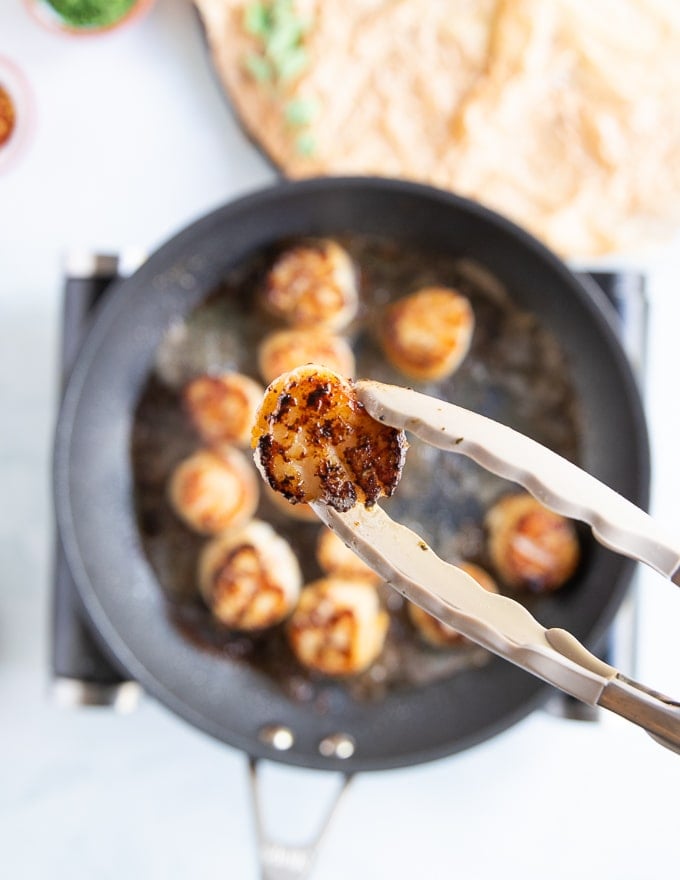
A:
{"x":562,"y":114}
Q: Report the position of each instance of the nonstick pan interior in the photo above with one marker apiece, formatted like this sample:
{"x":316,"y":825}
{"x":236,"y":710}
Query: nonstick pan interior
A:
{"x":93,"y":480}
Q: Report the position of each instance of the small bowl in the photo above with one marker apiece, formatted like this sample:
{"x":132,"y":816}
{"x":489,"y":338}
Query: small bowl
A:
{"x":44,"y":13}
{"x":15,"y":84}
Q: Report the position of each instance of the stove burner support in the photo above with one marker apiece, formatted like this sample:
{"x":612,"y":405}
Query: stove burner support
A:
{"x":82,"y":674}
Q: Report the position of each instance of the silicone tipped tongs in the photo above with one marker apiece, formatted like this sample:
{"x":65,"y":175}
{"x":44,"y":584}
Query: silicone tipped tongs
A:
{"x":497,"y":622}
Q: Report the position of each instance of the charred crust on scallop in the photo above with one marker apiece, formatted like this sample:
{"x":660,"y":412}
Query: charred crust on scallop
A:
{"x":314,"y":441}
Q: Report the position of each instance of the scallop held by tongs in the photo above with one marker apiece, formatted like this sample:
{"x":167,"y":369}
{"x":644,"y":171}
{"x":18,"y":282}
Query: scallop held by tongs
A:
{"x":340,"y":446}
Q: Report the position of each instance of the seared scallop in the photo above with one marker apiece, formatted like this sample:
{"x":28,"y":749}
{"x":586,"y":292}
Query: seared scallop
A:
{"x":336,"y":558}
{"x":338,"y":627}
{"x":284,"y":350}
{"x":249,"y":577}
{"x":313,"y":285}
{"x":300,"y":512}
{"x":213,"y":491}
{"x":439,"y":634}
{"x":222,"y":408}
{"x":314,"y":441}
{"x":426,"y":335}
{"x":531,"y":547}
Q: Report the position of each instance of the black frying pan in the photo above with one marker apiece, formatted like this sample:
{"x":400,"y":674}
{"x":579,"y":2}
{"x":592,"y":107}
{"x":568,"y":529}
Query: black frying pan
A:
{"x":93,"y":481}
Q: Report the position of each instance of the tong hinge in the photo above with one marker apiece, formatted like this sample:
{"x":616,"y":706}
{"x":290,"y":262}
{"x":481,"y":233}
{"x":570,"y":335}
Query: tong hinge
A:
{"x":656,"y":713}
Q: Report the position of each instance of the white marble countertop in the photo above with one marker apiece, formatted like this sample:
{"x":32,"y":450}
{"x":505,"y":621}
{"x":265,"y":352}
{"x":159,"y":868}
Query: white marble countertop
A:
{"x":133,"y":140}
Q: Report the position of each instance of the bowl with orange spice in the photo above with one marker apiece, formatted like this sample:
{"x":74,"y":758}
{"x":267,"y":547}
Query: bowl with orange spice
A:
{"x":16,"y":112}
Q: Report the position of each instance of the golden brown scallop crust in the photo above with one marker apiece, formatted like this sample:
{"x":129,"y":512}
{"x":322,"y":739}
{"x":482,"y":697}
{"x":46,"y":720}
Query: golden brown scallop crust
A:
{"x":284,"y":350}
{"x":249,"y":577}
{"x":293,"y":510}
{"x":426,"y":335}
{"x":531,"y":547}
{"x":222,"y":408}
{"x":314,"y":441}
{"x":312,"y":285}
{"x":338,"y":627}
{"x":212,"y":491}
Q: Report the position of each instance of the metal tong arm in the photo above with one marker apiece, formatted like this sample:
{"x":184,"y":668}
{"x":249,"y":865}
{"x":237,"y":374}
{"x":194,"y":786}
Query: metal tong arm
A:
{"x":497,"y":622}
{"x":556,"y":482}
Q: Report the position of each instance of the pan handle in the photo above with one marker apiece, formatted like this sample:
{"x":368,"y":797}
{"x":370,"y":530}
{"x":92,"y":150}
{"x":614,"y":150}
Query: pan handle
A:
{"x":282,"y":861}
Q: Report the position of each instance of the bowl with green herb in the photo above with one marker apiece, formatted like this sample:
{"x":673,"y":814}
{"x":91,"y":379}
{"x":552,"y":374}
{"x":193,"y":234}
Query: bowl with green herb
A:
{"x":87,"y":17}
